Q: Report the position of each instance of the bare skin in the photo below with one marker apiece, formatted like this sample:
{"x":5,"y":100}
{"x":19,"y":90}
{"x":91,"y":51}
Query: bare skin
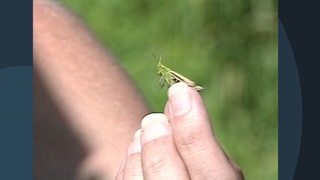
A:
{"x":84,"y":121}
{"x":84,"y":118}
{"x":178,"y":144}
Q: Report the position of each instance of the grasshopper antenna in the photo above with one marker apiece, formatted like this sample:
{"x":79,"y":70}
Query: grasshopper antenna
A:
{"x":155,"y":57}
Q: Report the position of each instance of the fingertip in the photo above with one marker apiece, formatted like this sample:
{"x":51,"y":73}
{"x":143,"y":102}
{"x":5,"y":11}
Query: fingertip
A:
{"x":180,"y":99}
{"x":184,"y":101}
{"x":132,"y":165}
{"x":154,"y":126}
{"x":153,"y":117}
{"x":137,"y":134}
{"x":135,"y":145}
{"x":177,"y":88}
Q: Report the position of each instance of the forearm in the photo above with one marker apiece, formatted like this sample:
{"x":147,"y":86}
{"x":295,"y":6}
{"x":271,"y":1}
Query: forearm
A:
{"x":100,"y":103}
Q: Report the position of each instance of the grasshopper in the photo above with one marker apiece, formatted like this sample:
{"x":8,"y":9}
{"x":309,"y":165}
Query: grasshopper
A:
{"x":171,"y":77}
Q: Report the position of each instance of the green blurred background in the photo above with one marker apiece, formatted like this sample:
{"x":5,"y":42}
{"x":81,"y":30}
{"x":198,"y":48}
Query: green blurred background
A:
{"x":229,"y":47}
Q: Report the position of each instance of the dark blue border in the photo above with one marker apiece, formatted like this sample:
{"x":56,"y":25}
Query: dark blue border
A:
{"x":16,"y":33}
{"x":16,"y":107}
{"x":300,"y":20}
{"x":290,"y":108}
{"x":16,"y":113}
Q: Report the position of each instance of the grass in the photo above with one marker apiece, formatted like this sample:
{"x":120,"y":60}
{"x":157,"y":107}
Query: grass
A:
{"x":229,"y":47}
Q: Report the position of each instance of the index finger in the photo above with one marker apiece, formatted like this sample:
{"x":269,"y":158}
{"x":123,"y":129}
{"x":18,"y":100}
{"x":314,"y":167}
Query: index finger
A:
{"x":193,"y":135}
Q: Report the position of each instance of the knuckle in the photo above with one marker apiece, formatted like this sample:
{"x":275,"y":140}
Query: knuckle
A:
{"x":236,"y":168}
{"x":233,"y":174}
{"x":189,"y":139}
{"x":239,"y":173}
{"x":156,"y":165}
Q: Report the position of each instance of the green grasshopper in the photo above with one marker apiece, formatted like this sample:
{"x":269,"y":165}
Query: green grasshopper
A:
{"x":171,"y":77}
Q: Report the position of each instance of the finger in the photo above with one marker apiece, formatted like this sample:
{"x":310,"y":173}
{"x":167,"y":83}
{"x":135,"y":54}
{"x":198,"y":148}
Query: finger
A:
{"x":236,"y":168}
{"x":160,"y":159}
{"x":119,"y":175}
{"x":132,"y":169}
{"x":193,"y":135}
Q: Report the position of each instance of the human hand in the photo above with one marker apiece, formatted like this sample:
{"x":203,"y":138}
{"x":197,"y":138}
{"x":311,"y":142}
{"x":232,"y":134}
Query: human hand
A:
{"x":179,"y":144}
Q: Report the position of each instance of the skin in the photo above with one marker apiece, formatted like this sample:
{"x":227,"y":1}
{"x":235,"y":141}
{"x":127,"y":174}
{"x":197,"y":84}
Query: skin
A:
{"x":84,"y":121}
{"x":178,"y":144}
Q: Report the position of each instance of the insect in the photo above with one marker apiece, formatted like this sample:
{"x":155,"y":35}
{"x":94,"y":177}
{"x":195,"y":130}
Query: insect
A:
{"x":171,"y":77}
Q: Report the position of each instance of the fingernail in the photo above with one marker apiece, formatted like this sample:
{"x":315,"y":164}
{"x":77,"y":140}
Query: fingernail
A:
{"x":154,"y":126}
{"x":135,"y":146}
{"x":152,"y":118}
{"x":179,"y":98}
